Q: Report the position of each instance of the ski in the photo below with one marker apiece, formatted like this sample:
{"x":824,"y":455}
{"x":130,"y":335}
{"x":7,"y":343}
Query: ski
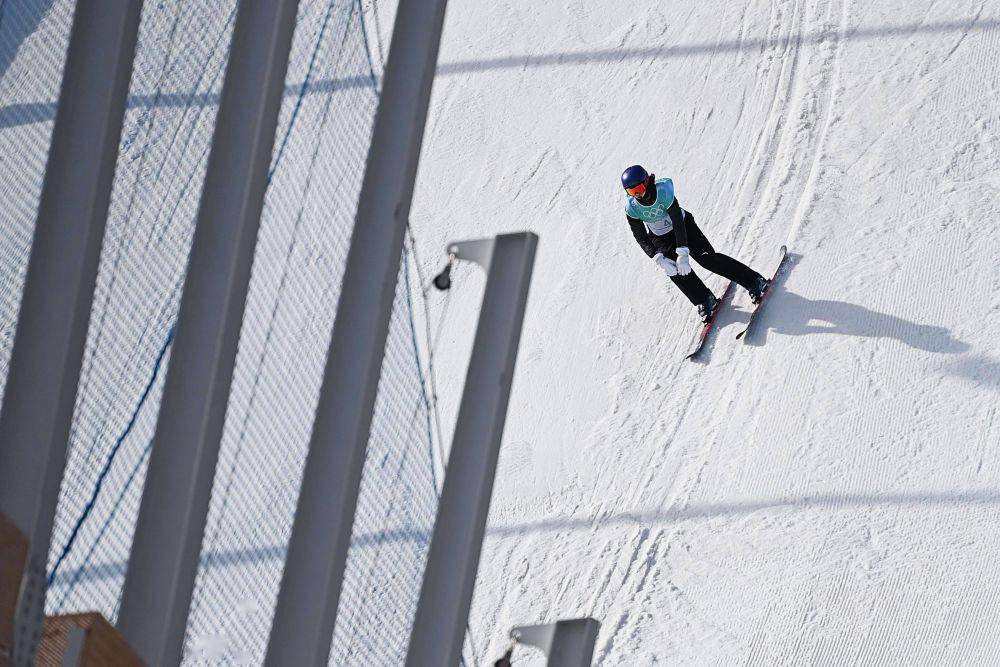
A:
{"x":703,"y":334}
{"x":774,"y":277}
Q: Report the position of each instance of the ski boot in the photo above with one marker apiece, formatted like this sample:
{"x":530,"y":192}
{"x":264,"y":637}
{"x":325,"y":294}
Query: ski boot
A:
{"x":759,"y":290}
{"x":707,"y":309}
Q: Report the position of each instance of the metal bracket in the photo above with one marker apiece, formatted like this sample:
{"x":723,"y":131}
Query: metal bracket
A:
{"x":539,"y":636}
{"x":567,"y":643}
{"x":479,"y":251}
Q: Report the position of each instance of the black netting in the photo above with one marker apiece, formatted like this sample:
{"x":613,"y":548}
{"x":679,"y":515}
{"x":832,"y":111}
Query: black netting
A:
{"x":320,"y":149}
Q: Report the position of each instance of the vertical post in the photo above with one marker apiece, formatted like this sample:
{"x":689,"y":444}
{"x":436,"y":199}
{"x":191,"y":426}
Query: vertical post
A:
{"x":321,"y":534}
{"x":450,"y":577}
{"x":73,"y":657}
{"x":171,"y":522}
{"x":62,"y":271}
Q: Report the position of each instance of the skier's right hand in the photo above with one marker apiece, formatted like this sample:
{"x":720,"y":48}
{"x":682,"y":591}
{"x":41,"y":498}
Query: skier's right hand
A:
{"x":683,"y":260}
{"x":665,"y":263}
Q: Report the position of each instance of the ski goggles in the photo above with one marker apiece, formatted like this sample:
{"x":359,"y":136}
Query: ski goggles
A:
{"x":637,"y":190}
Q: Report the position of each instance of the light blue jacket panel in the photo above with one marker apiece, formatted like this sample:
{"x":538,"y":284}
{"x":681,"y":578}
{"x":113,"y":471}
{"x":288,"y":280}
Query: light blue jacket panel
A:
{"x":654,"y":216}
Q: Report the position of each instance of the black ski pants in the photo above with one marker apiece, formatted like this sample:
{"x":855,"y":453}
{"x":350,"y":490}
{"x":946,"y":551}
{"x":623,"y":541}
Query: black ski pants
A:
{"x":702,"y":252}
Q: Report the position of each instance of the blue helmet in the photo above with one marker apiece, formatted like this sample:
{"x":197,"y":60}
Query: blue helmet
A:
{"x":633,"y":176}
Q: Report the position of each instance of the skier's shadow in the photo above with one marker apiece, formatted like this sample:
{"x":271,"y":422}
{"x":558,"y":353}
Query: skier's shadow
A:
{"x":794,"y":315}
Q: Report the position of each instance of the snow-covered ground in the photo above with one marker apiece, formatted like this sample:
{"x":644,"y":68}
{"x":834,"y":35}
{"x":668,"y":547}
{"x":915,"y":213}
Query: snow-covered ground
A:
{"x":829,"y":493}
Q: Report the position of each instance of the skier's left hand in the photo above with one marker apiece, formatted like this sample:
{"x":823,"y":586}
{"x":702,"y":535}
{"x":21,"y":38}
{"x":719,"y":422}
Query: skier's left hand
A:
{"x":666,"y":264}
{"x":683,"y":261}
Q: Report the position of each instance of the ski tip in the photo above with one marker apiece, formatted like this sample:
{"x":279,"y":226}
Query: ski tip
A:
{"x":784,"y":250}
{"x":740,"y":334}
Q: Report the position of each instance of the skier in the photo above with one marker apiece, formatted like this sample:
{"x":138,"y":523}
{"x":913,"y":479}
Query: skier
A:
{"x":668,"y":234}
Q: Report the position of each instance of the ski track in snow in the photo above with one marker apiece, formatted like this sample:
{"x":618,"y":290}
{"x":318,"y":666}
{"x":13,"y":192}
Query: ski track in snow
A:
{"x":824,"y":494}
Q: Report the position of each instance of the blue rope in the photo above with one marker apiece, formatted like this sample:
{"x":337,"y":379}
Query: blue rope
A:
{"x":368,"y":52}
{"x":302,"y":91}
{"x":423,"y":395}
{"x":166,"y":344}
{"x":111,"y":456}
{"x":68,"y":547}
{"x":211,"y":542}
{"x":79,"y":572}
{"x":420,"y":370}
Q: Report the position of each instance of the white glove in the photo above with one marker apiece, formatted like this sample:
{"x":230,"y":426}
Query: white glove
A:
{"x":683,"y":261}
{"x":666,"y":264}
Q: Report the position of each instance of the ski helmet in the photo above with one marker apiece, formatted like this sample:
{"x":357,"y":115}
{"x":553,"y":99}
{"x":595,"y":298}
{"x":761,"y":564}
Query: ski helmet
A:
{"x":633,"y":176}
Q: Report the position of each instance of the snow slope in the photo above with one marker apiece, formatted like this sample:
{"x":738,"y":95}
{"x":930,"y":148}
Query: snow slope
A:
{"x":827,"y":494}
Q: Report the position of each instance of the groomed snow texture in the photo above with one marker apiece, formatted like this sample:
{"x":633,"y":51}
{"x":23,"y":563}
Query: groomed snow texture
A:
{"x":828,"y":493}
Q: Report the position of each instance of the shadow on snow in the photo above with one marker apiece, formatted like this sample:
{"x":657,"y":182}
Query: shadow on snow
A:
{"x":13,"y":33}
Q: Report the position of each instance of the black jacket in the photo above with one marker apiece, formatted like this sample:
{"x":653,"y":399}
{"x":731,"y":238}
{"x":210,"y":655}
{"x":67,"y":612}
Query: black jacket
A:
{"x":651,"y":243}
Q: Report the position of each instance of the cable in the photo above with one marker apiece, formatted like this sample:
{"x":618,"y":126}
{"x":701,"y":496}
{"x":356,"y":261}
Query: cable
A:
{"x":214,"y":536}
{"x":378,"y":35}
{"x":432,"y":343}
{"x":111,"y":456}
{"x":100,"y":534}
{"x":368,"y":51}
{"x":421,"y":402}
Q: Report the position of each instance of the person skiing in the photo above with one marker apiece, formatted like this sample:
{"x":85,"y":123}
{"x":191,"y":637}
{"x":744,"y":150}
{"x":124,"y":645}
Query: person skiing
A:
{"x":668,"y":234}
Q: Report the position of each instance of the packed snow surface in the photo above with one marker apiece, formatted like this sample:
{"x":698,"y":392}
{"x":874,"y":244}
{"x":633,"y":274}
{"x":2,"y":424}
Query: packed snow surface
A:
{"x":827,"y":493}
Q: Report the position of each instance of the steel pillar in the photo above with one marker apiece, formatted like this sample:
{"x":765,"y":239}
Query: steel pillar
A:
{"x":321,"y":534}
{"x":55,"y":307}
{"x":450,"y":577}
{"x":169,"y":530}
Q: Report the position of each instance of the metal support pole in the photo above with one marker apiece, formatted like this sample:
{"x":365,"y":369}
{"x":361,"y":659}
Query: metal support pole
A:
{"x":566,"y":643}
{"x":73,"y":655}
{"x":59,"y":286}
{"x":317,"y":549}
{"x":450,"y":577}
{"x":164,"y":558}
